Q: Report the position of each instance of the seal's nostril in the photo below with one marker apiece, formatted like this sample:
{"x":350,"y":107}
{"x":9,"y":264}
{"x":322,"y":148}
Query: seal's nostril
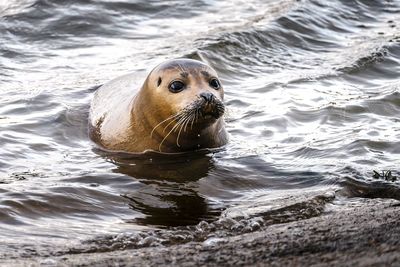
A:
{"x":207,"y":96}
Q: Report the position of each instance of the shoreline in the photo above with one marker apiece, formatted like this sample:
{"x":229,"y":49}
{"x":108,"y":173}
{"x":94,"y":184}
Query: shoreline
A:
{"x":361,"y":233}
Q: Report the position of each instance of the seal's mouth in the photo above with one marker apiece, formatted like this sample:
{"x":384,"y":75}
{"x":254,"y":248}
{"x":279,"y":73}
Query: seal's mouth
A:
{"x":209,"y":110}
{"x":201,"y":112}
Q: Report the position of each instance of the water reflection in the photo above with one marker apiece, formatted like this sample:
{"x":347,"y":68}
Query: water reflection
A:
{"x":169,"y":195}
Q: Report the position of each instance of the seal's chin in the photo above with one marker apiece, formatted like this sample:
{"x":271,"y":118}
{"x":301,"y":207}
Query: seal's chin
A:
{"x":209,"y":116}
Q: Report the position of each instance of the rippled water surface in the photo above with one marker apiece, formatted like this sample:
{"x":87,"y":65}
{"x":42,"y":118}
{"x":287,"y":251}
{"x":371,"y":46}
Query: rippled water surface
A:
{"x":312,"y":92}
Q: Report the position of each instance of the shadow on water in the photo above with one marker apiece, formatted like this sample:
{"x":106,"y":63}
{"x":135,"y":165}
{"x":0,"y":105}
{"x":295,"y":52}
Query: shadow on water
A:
{"x":180,"y":189}
{"x":168,"y":196}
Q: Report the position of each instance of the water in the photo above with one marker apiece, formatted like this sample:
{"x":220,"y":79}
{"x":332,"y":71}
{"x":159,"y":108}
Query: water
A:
{"x":313,"y":99}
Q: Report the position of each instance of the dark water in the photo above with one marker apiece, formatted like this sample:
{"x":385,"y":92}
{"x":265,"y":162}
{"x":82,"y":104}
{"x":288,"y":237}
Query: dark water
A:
{"x":313,"y":98}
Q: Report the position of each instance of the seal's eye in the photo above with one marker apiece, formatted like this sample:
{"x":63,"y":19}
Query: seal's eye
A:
{"x":214,"y":83}
{"x":176,"y":86}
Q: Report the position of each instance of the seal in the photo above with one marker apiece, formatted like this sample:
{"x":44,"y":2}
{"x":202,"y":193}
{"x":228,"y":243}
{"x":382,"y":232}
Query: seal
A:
{"x":178,"y":108}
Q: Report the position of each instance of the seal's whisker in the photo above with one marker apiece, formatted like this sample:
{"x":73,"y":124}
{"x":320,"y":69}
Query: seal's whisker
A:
{"x":193,"y":119}
{"x":167,"y":119}
{"x":180,"y":130}
{"x":188,"y":121}
{"x":177,"y":137}
{"x":197,"y":114}
{"x":178,"y":117}
{"x":159,"y":147}
{"x":173,"y":128}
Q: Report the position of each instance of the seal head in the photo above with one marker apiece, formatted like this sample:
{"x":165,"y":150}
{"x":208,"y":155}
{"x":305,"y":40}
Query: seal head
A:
{"x":178,"y":108}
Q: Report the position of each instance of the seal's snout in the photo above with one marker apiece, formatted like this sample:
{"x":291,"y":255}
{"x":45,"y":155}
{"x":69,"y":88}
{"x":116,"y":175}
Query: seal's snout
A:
{"x":211,"y":106}
{"x":208,"y":97}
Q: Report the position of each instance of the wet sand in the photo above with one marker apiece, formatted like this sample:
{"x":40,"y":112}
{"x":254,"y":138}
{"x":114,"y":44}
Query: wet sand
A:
{"x":355,"y":233}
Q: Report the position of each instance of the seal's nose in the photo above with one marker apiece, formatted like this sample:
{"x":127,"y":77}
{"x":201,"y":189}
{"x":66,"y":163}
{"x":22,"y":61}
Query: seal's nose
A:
{"x":209,"y":97}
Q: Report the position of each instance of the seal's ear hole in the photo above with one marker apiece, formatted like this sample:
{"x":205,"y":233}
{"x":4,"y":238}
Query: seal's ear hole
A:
{"x":159,"y":81}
